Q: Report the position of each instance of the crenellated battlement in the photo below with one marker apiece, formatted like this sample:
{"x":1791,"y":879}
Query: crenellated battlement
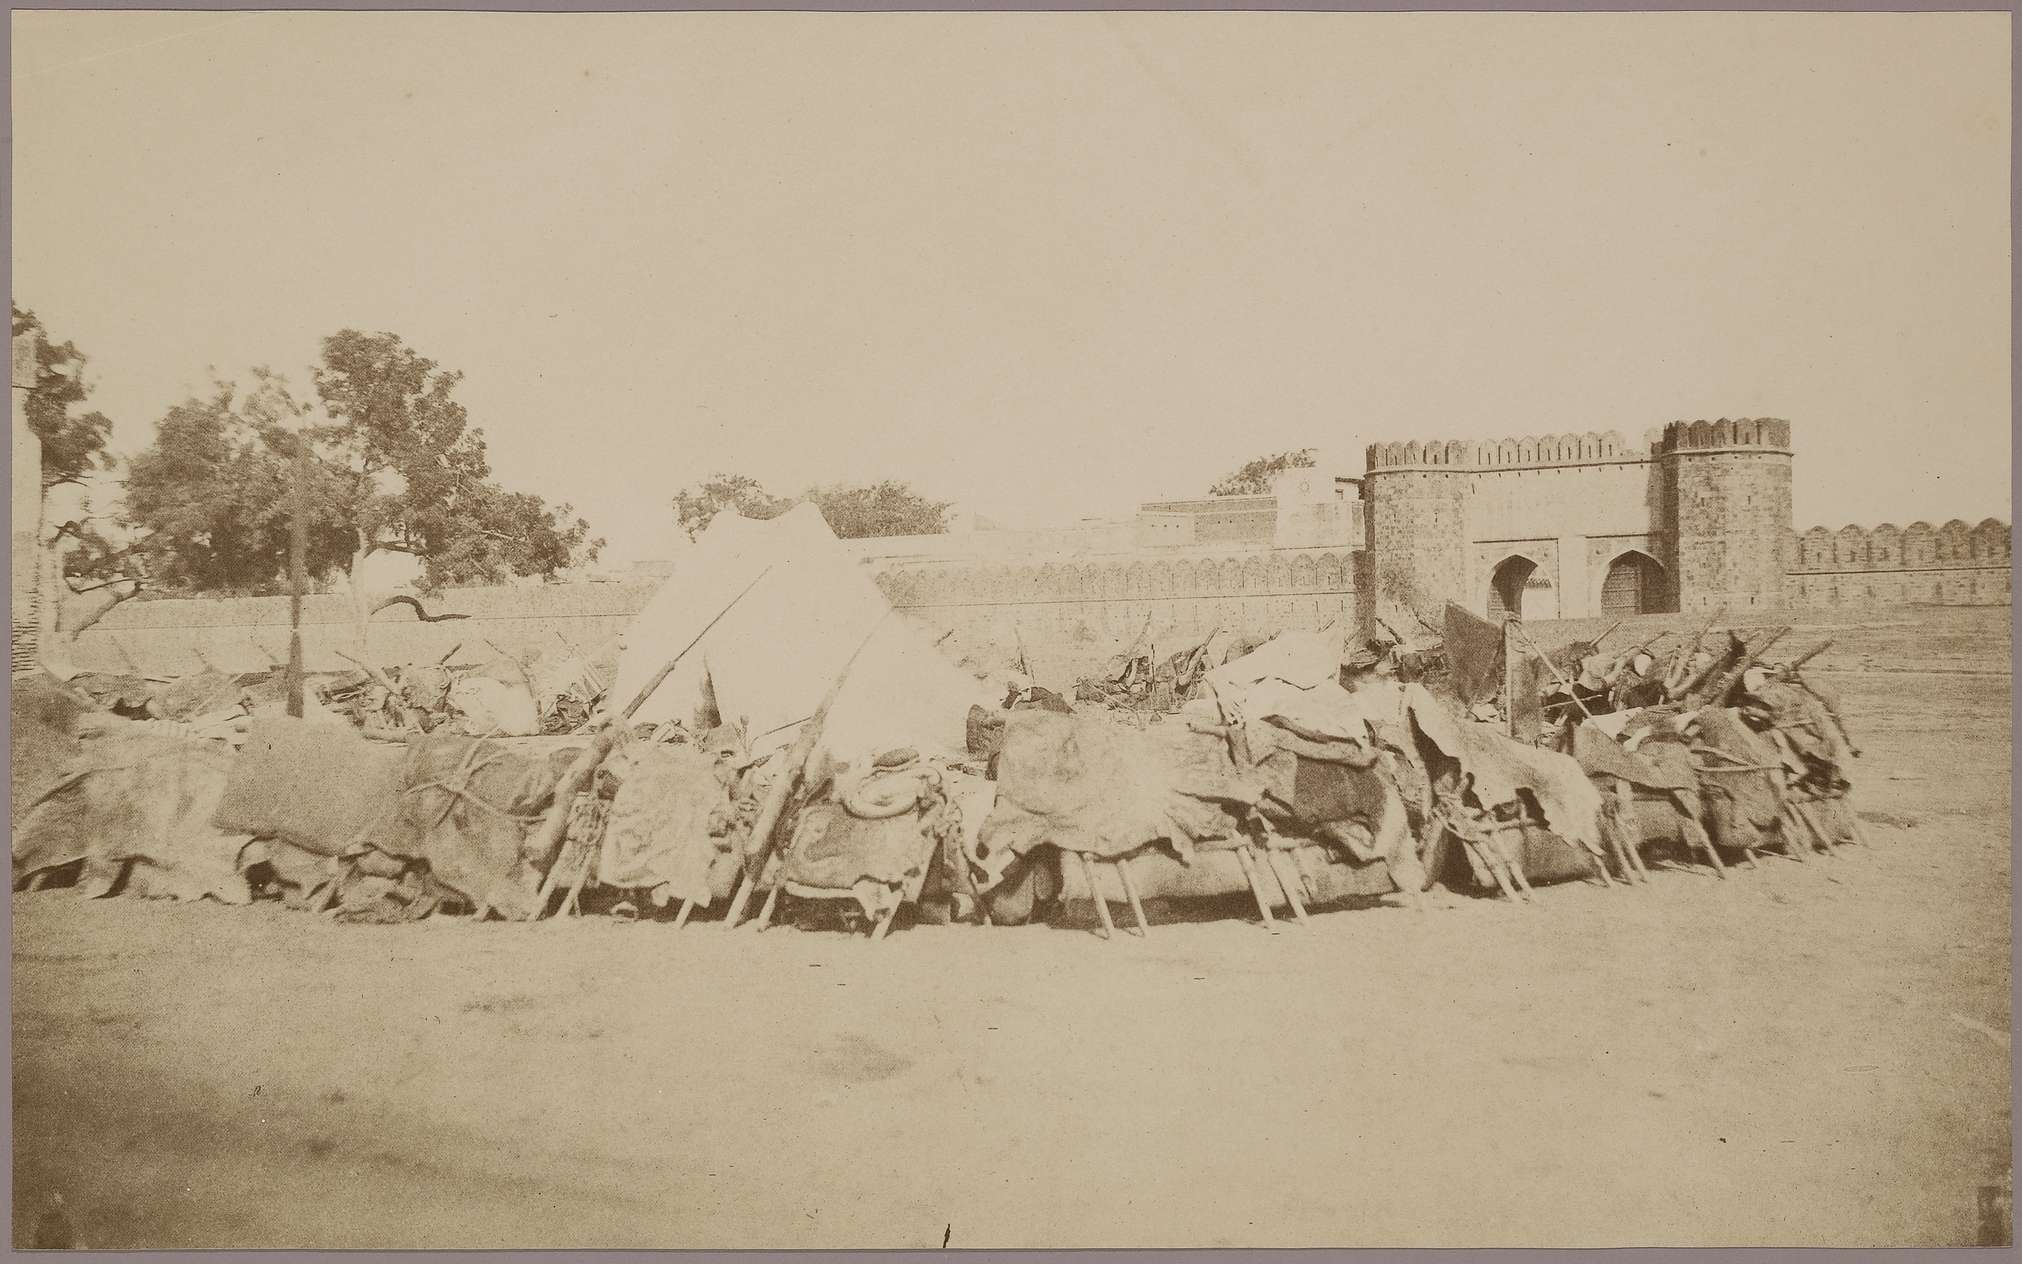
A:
{"x":1529,"y":451}
{"x":1919,"y":546}
{"x":1770,"y":434}
{"x":1952,"y":565}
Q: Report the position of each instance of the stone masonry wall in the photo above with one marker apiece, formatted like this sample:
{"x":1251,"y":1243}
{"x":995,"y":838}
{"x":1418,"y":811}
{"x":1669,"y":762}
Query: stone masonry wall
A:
{"x":251,"y":633}
{"x":1065,"y":607}
{"x":1417,"y":533}
{"x":1952,"y":565}
{"x":1069,"y":607}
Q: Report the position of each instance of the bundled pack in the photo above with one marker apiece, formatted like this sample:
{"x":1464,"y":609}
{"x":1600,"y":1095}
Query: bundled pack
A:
{"x":139,"y":808}
{"x":316,"y":785}
{"x":1085,"y":785}
{"x":875,"y":836}
{"x":672,"y":822}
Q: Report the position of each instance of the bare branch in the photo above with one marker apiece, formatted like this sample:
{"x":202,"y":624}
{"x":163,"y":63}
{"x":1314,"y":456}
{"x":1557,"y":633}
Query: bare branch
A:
{"x":135,"y":580}
{"x":419,"y":613}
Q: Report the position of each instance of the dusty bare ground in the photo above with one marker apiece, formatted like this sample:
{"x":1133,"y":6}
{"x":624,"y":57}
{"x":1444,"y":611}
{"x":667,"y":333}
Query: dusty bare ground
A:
{"x":1803,"y":1054}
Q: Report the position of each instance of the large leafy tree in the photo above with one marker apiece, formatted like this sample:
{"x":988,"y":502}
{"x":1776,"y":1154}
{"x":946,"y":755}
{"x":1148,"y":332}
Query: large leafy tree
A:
{"x":852,"y":511}
{"x":395,"y":466}
{"x":419,"y":480}
{"x":1253,"y":478}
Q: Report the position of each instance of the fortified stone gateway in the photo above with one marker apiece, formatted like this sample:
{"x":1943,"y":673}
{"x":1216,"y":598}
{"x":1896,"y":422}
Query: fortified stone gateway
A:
{"x":1579,"y":526}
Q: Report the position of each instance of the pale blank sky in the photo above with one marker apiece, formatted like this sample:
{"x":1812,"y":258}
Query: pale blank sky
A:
{"x":1048,"y":265}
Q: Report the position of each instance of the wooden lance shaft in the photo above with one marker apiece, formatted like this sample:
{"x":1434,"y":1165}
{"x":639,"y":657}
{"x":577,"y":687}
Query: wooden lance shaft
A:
{"x":1807,"y":656}
{"x":660,"y":677}
{"x":1514,"y":628}
{"x":1791,"y":672}
{"x":1648,"y":645}
{"x":790,"y":770}
{"x":1674,"y":679}
{"x":548,"y":840}
{"x":1725,"y":681}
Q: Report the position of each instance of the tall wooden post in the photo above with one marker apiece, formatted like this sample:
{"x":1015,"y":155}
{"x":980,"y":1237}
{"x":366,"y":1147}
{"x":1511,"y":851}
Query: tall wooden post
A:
{"x":1512,"y":685}
{"x":298,"y":565}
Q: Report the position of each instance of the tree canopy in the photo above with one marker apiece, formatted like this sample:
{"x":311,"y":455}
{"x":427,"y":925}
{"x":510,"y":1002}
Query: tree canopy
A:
{"x":880,"y":509}
{"x":1253,"y":478}
{"x":420,"y":479}
{"x":213,"y":491}
{"x":852,"y":511}
{"x":697,"y":506}
{"x":396,"y":467}
{"x":73,"y":445}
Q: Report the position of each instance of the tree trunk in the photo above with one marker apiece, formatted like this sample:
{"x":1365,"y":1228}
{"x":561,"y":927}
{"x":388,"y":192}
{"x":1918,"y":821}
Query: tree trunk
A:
{"x":48,"y":575}
{"x":361,"y":608}
{"x":59,"y":621}
{"x":53,"y":638}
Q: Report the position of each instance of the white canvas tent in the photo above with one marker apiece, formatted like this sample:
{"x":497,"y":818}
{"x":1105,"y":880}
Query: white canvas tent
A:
{"x":770,"y":660}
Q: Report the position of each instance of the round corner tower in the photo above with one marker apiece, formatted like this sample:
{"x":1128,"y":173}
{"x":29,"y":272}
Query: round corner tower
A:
{"x":1728,"y":484}
{"x":1415,"y":524}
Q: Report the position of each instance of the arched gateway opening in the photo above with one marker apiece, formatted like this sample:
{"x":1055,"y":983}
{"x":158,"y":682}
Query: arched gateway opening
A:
{"x":1635,"y":584}
{"x":1519,"y":587}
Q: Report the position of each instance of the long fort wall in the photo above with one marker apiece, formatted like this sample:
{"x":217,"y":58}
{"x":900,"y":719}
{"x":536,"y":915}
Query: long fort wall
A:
{"x":246,"y":634}
{"x":1063,"y":609}
{"x":1952,"y":565}
{"x":1705,"y":504}
{"x":1075,"y":606}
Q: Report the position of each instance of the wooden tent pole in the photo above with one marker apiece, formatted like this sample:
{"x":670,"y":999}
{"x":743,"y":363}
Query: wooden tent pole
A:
{"x":1510,"y":682}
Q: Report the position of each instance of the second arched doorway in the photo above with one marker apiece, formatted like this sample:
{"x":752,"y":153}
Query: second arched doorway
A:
{"x":1635,"y":584}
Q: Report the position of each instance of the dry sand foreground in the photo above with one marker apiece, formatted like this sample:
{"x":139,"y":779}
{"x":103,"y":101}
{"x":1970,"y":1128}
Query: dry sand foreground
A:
{"x":1802,"y":1055}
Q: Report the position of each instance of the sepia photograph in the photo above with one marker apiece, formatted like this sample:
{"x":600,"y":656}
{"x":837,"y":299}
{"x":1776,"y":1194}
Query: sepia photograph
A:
{"x":1010,"y":630}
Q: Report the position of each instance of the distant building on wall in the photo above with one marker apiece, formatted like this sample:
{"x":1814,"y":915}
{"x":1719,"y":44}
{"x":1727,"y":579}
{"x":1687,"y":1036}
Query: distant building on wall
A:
{"x":1304,"y":507}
